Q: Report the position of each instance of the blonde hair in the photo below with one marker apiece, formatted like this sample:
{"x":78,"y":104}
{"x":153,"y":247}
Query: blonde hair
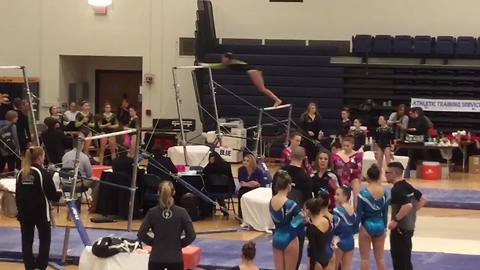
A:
{"x":31,"y":155}
{"x":166,"y":194}
{"x":253,"y":160}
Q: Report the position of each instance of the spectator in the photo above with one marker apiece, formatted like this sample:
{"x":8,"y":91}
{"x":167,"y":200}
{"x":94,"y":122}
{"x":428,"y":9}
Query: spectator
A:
{"x":383,"y":138}
{"x":123,"y":113}
{"x":108,"y":123}
{"x":159,"y":163}
{"x":295,"y":139}
{"x":405,"y":202}
{"x":70,"y":116}
{"x":167,"y":222}
{"x":311,"y":125}
{"x":250,"y":178}
{"x":324,"y":179}
{"x":55,"y":114}
{"x":85,"y":123}
{"x":23,"y":129}
{"x":345,"y":124}
{"x":219,"y":177}
{"x":359,"y":135}
{"x":68,"y":161}
{"x":54,"y":141}
{"x":417,"y":123}
{"x":248,"y":255}
{"x":34,"y":189}
{"x":301,"y":182}
{"x":131,"y":139}
{"x":399,"y":122}
{"x":9,"y":144}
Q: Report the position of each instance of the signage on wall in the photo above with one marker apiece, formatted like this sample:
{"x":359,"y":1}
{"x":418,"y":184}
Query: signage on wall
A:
{"x":446,"y":105}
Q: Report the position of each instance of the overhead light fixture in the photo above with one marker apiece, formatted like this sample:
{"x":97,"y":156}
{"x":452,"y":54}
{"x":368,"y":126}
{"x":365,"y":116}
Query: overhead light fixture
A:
{"x":100,"y":6}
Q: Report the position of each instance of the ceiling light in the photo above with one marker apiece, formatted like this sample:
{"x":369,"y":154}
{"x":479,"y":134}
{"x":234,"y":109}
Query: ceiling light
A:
{"x":100,"y":3}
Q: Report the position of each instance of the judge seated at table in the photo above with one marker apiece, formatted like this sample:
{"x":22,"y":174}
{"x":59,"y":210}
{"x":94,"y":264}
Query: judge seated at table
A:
{"x":123,"y":164}
{"x":219,"y":178}
{"x":250,"y":178}
{"x":161,"y":165}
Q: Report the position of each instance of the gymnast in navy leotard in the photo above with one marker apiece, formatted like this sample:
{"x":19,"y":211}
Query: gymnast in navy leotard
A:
{"x":289,"y":224}
{"x":345,"y":226}
{"x":372,"y":211}
{"x":228,"y":61}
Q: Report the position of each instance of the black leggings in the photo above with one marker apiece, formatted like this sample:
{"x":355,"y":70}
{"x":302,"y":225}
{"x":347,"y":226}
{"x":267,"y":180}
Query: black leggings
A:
{"x":44,"y":235}
{"x":165,"y":266}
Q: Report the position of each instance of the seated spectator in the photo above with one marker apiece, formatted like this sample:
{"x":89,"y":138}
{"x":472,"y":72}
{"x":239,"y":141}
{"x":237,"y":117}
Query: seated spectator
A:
{"x":159,"y":164}
{"x":219,"y":178}
{"x":54,"y":141}
{"x":55,"y":114}
{"x":295,"y":140}
{"x":9,"y":144}
{"x":123,"y":164}
{"x":70,"y":116}
{"x":250,"y":178}
{"x":249,"y":251}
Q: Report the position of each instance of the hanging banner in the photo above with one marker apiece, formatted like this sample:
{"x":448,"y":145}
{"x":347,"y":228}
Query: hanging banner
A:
{"x":446,"y":105}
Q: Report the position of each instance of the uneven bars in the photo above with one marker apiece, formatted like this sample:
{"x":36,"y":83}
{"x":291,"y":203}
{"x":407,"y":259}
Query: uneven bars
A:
{"x":190,"y":67}
{"x":11,"y":67}
{"x":278,"y":107}
{"x":111,"y":134}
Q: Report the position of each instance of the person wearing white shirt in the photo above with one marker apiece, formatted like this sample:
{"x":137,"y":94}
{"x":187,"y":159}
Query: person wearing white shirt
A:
{"x":69,"y":117}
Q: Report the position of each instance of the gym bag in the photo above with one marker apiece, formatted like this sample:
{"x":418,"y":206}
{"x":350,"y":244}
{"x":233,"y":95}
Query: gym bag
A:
{"x":109,"y":246}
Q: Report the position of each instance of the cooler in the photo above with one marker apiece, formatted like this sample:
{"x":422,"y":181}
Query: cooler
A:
{"x":191,"y":257}
{"x":431,"y":170}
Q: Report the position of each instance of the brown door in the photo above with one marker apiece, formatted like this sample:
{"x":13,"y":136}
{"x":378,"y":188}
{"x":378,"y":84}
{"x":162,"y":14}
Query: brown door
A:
{"x":112,"y":85}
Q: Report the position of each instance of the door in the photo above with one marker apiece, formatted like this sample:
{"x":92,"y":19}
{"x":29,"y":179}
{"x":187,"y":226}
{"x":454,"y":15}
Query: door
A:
{"x":112,"y":85}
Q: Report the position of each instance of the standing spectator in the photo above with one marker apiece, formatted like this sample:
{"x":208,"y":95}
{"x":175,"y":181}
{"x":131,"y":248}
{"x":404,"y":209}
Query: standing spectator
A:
{"x":345,"y":124}
{"x":383,"y":139}
{"x":70,"y":116}
{"x":324,"y":179}
{"x":417,"y":126}
{"x":167,"y":222}
{"x":359,"y":135}
{"x":23,"y":129}
{"x":301,"y":182}
{"x":399,"y":122}
{"x":295,"y":139}
{"x":123,"y":113}
{"x":54,"y":141}
{"x":55,"y":114}
{"x":34,"y":189}
{"x":311,"y":125}
{"x":9,"y":145}
{"x":108,"y":123}
{"x":405,"y":202}
{"x":248,"y":255}
{"x":85,"y":123}
{"x":250,"y":178}
{"x":131,"y":139}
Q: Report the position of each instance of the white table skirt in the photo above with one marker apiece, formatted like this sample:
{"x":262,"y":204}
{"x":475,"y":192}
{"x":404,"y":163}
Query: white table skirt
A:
{"x":369,"y":160}
{"x":256,"y":209}
{"x":197,"y":155}
{"x":121,"y":261}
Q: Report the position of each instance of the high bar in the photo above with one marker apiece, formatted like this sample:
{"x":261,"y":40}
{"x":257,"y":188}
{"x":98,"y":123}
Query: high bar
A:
{"x":190,"y":67}
{"x":278,"y":107}
{"x":128,"y":131}
{"x":11,"y":67}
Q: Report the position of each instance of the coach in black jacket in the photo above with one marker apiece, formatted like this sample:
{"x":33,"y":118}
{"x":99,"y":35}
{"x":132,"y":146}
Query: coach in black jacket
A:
{"x":34,"y":190}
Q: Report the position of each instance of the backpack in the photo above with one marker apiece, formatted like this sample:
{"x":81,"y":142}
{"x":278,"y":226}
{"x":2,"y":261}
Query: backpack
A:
{"x":190,"y":202}
{"x":110,"y":246}
{"x":7,"y":142}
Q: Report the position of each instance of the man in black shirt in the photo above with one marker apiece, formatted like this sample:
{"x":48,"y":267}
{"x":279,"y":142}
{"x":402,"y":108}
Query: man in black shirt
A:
{"x":301,"y":183}
{"x":405,"y":202}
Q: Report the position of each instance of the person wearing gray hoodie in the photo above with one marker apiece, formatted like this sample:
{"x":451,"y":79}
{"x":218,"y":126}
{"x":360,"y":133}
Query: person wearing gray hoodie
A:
{"x":9,"y":145}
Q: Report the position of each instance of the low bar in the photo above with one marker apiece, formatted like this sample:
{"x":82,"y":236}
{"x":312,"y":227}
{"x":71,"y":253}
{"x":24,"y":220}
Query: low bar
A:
{"x":278,"y":107}
{"x":111,"y":134}
{"x":11,"y":67}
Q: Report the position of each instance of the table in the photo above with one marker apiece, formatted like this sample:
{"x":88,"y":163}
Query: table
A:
{"x":369,"y":160}
{"x":197,"y":155}
{"x":97,"y":170}
{"x":462,"y":147}
{"x":256,"y":209}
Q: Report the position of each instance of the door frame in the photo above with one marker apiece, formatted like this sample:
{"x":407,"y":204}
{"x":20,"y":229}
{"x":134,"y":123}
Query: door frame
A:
{"x":98,"y":72}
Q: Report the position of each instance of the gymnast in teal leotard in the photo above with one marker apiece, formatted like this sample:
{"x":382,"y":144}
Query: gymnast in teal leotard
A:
{"x":345,"y":226}
{"x":289,"y":224}
{"x":372,"y":211}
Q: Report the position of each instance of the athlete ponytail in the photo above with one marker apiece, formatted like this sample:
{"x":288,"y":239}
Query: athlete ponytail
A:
{"x":166,"y":194}
{"x":31,"y":156}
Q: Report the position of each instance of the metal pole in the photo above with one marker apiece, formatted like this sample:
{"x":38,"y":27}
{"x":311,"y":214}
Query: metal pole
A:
{"x":259,"y":132}
{"x":65,"y":244}
{"x":215,"y":108}
{"x":288,"y":124}
{"x":134,"y":178}
{"x":30,"y":100}
{"x":179,"y":111}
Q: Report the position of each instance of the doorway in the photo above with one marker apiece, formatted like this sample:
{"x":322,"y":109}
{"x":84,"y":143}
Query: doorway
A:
{"x":112,"y":85}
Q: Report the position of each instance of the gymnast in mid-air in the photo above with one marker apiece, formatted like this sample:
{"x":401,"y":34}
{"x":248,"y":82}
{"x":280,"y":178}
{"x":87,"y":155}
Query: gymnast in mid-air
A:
{"x":228,"y":61}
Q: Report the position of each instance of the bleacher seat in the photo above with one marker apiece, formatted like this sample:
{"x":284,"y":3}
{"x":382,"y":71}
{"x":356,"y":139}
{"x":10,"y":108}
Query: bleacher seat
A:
{"x":445,"y":46}
{"x":362,"y":44}
{"x":382,"y":44}
{"x":465,"y":46}
{"x":422,"y":45}
{"x":402,"y":45}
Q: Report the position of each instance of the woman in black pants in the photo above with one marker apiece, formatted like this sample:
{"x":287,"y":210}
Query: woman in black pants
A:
{"x":168,"y":222}
{"x":34,"y":189}
{"x":311,"y":124}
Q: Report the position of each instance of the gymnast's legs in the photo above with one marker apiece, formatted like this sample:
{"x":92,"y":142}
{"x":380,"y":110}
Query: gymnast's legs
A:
{"x":257,"y":78}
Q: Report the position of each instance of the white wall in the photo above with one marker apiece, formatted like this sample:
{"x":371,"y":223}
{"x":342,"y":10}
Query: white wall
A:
{"x":37,"y":32}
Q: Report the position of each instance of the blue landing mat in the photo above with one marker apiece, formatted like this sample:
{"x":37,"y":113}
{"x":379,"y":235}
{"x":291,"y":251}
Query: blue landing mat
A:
{"x":452,"y":198}
{"x":224,"y":254}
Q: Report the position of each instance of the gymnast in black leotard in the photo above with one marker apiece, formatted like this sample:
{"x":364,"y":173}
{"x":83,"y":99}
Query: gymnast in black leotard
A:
{"x":383,"y":138}
{"x":228,"y":61}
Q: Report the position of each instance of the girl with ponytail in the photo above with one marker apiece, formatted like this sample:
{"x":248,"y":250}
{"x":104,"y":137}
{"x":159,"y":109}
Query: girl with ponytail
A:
{"x":345,"y":226}
{"x":34,"y":190}
{"x":168,"y":222}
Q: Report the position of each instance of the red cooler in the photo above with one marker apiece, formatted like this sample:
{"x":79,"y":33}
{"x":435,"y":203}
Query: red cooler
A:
{"x":431,"y":170}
